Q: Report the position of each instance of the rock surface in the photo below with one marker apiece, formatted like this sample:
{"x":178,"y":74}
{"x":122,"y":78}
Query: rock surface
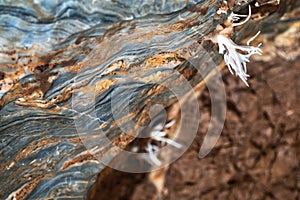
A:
{"x":64,"y":60}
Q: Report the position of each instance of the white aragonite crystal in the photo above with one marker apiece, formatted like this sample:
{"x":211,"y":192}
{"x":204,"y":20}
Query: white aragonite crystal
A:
{"x":236,"y":56}
{"x":158,"y":135}
{"x":235,"y":17}
{"x":236,"y":61}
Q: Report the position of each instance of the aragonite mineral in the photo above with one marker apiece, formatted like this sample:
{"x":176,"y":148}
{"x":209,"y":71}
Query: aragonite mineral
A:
{"x":53,"y":51}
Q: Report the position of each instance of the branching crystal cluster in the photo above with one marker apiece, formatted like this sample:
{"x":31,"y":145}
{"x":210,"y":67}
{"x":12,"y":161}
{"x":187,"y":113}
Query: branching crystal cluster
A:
{"x":159,"y":135}
{"x":236,"y":61}
{"x":236,"y":56}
